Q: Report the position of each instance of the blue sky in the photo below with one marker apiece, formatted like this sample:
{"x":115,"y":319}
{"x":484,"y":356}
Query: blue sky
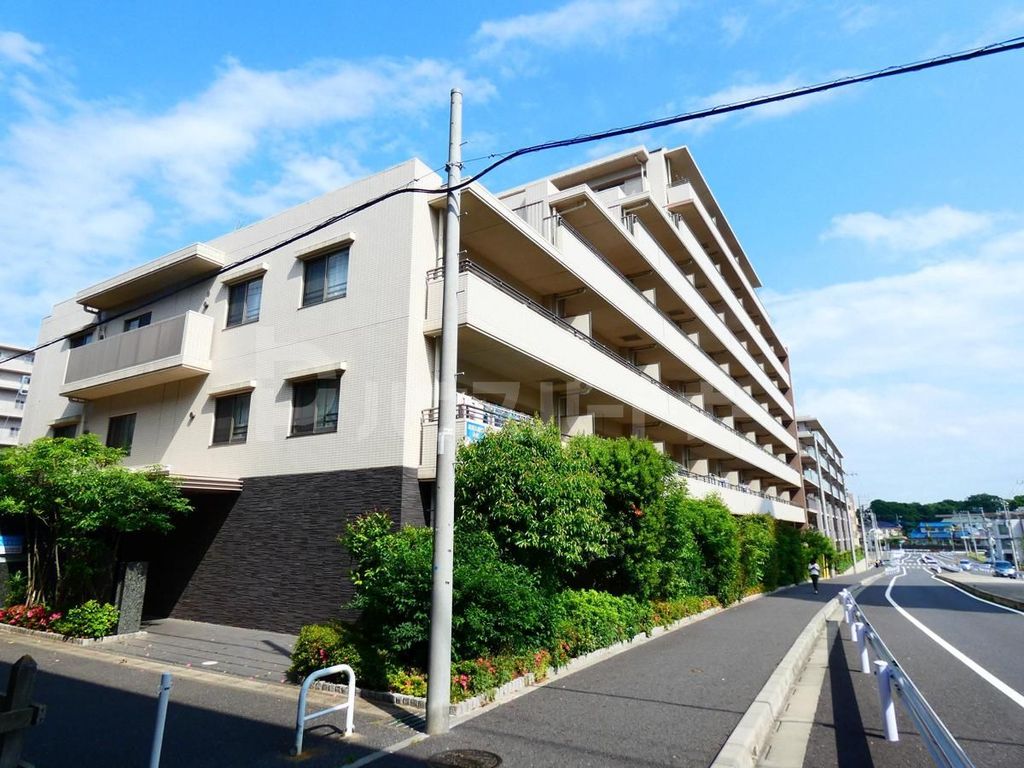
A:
{"x":886,"y":220}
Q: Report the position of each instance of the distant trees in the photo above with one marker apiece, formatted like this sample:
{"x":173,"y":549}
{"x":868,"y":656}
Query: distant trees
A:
{"x":909,"y":514}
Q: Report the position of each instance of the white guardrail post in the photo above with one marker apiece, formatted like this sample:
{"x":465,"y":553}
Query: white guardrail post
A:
{"x":862,"y":648}
{"x":886,"y":702}
{"x":301,"y":718}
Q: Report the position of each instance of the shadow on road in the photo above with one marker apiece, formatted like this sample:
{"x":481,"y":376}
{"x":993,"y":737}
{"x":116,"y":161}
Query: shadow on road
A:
{"x":95,"y":726}
{"x":852,"y":748}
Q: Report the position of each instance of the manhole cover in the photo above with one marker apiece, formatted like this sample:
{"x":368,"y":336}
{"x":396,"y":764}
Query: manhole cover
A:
{"x":464,"y":758}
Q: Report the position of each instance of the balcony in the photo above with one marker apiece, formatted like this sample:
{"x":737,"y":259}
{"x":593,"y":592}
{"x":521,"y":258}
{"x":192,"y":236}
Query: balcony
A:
{"x":520,"y":338}
{"x":740,"y":499}
{"x":473,"y":418}
{"x":171,"y":350}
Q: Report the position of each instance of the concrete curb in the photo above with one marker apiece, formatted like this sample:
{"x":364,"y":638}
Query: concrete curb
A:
{"x":1003,"y":600}
{"x":53,"y":637}
{"x":746,"y":743}
{"x":744,"y":746}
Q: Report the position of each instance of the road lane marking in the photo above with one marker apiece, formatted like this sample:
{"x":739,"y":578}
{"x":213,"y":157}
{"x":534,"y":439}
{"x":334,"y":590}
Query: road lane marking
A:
{"x":1015,"y":696}
{"x":975,"y":597}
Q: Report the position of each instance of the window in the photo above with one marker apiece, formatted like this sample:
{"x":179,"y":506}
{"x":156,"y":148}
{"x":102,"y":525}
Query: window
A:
{"x":244,"y":302}
{"x":81,"y":339}
{"x":325,"y":278}
{"x":19,"y":401}
{"x":120,"y":432}
{"x":15,"y":431}
{"x":68,"y":430}
{"x":140,"y":321}
{"x":231,"y":419}
{"x":315,"y":406}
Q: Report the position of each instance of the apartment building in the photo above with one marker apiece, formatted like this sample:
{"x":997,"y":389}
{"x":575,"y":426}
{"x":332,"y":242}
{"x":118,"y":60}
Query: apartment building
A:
{"x":828,"y":503}
{"x":15,"y":377}
{"x":291,"y":391}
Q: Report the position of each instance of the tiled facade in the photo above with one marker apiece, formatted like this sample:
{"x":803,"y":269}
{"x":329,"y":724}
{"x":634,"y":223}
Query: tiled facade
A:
{"x":15,"y":378}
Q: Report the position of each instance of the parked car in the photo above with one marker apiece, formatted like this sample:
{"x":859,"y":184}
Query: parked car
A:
{"x":965,"y":565}
{"x":1005,"y":569}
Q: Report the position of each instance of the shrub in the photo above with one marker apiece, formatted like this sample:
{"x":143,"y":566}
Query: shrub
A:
{"x":758,"y":565}
{"x":537,"y":498}
{"x":324,"y":645}
{"x":588,"y":620}
{"x":633,"y":475}
{"x":703,"y":548}
{"x":17,"y":588}
{"x":497,"y":606}
{"x":37,"y":617}
{"x":789,"y":555}
{"x":90,"y":619}
{"x":667,"y":612}
{"x":408,"y":682}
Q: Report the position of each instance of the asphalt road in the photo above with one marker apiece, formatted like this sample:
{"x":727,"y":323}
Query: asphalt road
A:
{"x":987,"y":721}
{"x":101,"y":712}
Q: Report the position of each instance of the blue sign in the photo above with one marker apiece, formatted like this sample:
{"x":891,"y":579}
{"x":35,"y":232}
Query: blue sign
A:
{"x":474,"y":431}
{"x":12,"y":544}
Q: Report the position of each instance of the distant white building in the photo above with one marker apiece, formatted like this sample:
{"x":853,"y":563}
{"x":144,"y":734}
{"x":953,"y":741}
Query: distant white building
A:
{"x":15,"y":377}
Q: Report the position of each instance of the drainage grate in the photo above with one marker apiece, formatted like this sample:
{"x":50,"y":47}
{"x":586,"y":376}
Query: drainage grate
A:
{"x":464,"y":758}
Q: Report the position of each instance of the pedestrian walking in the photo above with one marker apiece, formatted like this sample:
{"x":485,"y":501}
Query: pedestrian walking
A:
{"x":815,"y":572}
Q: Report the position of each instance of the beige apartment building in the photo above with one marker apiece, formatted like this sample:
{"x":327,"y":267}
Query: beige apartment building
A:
{"x":292,"y":391}
{"x":829,"y":507}
{"x":15,"y":377}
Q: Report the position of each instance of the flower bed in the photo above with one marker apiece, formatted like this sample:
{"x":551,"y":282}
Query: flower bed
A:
{"x":37,"y":617}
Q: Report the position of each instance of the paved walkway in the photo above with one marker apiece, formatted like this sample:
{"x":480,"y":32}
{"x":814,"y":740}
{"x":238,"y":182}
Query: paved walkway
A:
{"x":1004,"y":591}
{"x":250,"y":653}
{"x":670,"y":702}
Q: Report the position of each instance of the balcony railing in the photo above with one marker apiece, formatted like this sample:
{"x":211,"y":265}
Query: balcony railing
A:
{"x":714,"y":480}
{"x":485,"y":413}
{"x":475,"y":269}
{"x":169,"y":350}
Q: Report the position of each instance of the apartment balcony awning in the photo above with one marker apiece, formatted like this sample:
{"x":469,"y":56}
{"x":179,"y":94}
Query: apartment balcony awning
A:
{"x":170,"y":350}
{"x":194,"y":261}
{"x":197,"y":483}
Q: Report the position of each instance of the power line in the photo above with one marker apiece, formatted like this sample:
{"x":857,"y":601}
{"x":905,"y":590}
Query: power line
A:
{"x":1005,"y":46}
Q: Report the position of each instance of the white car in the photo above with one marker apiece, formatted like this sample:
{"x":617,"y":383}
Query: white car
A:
{"x":965,"y":565}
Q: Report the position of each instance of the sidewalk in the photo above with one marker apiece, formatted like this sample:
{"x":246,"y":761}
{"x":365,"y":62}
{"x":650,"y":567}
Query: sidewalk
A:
{"x":670,"y":702}
{"x":249,"y":653}
{"x":1008,"y":592}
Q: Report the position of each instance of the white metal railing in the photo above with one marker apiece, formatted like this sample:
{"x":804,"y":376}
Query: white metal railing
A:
{"x":943,"y":747}
{"x":349,"y":705}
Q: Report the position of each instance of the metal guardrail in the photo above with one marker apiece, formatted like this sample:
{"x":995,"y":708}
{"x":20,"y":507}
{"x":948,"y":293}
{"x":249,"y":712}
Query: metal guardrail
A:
{"x":713,"y":480}
{"x":301,"y":718}
{"x":473,"y":268}
{"x":946,"y":752}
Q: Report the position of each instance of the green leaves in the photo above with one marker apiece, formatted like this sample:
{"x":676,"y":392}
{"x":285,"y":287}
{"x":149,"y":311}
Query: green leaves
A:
{"x":538,"y":499}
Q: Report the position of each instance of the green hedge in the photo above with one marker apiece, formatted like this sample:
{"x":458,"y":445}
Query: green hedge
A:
{"x":587,"y":620}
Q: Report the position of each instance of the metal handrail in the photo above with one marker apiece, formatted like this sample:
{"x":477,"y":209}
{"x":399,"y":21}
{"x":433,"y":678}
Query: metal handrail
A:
{"x":496,"y":417}
{"x":468,"y":266}
{"x":349,"y":705}
{"x":946,"y":752}
{"x":713,"y":480}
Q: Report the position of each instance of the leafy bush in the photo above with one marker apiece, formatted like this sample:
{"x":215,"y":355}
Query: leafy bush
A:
{"x":324,"y":645}
{"x":497,"y":606}
{"x":37,"y":617}
{"x":90,"y":619}
{"x":789,"y":555}
{"x":537,"y":498}
{"x":472,"y":678}
{"x":588,"y":620}
{"x":667,"y":612}
{"x":633,"y":475}
{"x":702,"y":554}
{"x":17,"y":588}
{"x":408,"y":682}
{"x":758,"y":565}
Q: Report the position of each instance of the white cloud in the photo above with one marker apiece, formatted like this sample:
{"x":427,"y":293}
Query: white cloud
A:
{"x":18,"y":49}
{"x":84,"y":184}
{"x":858,"y":17}
{"x":745,"y":91}
{"x":917,"y":376}
{"x":590,"y":22}
{"x":734,"y":27}
{"x":909,"y":231}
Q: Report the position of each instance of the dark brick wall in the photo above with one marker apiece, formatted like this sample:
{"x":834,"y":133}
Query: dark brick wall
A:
{"x":269,"y":559}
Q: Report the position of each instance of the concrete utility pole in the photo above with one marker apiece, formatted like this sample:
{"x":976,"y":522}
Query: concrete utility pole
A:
{"x":439,"y":667}
{"x":864,"y":537}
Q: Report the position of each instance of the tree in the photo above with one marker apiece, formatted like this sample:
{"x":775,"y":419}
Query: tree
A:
{"x":702,"y":552}
{"x":77,"y":503}
{"x":817,"y":546}
{"x":537,"y":498}
{"x":633,"y":475}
